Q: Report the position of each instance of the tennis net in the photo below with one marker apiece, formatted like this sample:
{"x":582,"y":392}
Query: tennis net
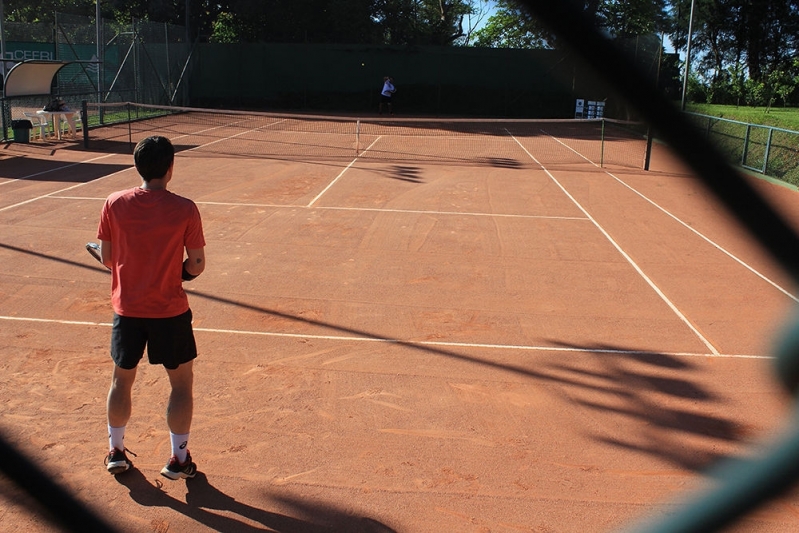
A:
{"x":470,"y":141}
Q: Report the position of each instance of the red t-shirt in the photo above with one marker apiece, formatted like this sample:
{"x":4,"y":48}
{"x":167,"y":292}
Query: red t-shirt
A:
{"x":148,"y":231}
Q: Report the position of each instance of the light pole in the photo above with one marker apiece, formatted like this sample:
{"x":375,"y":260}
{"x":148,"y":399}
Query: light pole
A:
{"x":688,"y":55}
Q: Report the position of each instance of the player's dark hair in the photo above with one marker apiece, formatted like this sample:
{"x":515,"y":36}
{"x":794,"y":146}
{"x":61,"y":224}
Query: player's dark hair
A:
{"x":153,"y":156}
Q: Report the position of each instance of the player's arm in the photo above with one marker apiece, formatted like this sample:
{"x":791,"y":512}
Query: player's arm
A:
{"x":105,"y":253}
{"x":194,"y":265}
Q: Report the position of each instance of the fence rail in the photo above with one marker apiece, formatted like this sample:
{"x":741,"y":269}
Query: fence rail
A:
{"x":768,"y":150}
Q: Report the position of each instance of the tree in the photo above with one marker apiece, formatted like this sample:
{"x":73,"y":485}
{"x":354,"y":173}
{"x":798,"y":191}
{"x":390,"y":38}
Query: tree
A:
{"x":153,"y":10}
{"x":45,"y":10}
{"x":779,"y":84}
{"x":445,"y":20}
{"x":224,"y":29}
{"x":513,"y":26}
{"x":474,"y":20}
{"x":751,"y":38}
{"x":317,"y":21}
{"x":421,"y":21}
{"x":632,"y":17}
{"x":741,"y":49}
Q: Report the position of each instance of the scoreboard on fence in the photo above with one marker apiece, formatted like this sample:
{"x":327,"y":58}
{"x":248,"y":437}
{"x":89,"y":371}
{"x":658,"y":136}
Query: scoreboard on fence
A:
{"x":589,"y":109}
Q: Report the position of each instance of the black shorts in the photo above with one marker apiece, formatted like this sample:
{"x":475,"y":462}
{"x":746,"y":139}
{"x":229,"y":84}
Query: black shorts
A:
{"x":170,"y":341}
{"x":385,"y":99}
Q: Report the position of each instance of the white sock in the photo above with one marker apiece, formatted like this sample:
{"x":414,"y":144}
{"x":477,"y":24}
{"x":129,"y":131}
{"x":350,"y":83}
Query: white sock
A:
{"x":116,"y":438}
{"x":179,"y":446}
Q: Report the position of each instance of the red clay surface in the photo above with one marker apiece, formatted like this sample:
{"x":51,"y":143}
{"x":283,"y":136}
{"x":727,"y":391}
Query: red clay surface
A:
{"x":402,"y":346}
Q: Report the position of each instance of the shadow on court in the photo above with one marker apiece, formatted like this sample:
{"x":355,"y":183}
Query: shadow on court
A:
{"x":31,"y":169}
{"x":88,"y":265}
{"x":406,"y":173}
{"x":634,"y":376}
{"x":202,"y":497}
{"x":502,"y":162}
{"x":627,"y":386}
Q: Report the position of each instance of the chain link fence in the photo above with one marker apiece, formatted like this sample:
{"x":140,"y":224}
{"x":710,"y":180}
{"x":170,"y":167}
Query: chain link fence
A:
{"x":771,"y":151}
{"x":141,"y":61}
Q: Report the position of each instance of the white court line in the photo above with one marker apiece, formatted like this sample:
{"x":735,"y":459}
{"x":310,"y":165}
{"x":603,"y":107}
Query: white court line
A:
{"x":52,"y":194}
{"x":318,"y":196}
{"x":332,"y":208}
{"x":624,"y":254}
{"x":347,"y":338}
{"x":709,"y":241}
{"x":629,"y":259}
{"x":229,"y":137}
{"x":94,"y":198}
{"x":355,"y":209}
{"x":454,"y":213}
{"x":689,"y":227}
{"x":229,"y":124}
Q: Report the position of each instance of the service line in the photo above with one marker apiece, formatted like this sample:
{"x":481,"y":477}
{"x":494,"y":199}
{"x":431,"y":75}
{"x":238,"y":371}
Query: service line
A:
{"x":353,"y":338}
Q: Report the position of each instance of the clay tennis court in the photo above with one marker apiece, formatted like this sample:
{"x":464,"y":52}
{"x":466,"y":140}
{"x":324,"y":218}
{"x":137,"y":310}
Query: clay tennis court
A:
{"x":507,"y":338}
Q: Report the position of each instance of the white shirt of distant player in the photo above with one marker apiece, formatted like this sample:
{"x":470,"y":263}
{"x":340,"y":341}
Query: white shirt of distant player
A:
{"x":388,"y":88}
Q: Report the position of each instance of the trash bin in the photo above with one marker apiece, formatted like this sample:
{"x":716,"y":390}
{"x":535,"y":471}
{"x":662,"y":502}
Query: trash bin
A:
{"x":22,"y":130}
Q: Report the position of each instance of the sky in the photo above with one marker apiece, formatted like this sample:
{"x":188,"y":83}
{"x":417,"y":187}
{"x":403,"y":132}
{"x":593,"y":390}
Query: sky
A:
{"x":489,"y":8}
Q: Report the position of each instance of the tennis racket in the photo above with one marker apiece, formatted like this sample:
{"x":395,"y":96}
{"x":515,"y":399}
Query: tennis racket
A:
{"x":94,"y":249}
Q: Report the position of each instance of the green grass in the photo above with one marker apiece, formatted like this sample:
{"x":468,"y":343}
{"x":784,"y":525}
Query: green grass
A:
{"x":729,"y":137}
{"x":778,"y":117}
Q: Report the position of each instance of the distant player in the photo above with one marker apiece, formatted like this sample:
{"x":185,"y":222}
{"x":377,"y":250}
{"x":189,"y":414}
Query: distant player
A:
{"x":386,"y":94}
{"x":143,"y":233}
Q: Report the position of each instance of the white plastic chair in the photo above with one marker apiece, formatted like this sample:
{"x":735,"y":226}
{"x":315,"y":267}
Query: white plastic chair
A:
{"x":60,"y":119}
{"x":39,"y":123}
{"x":72,"y":118}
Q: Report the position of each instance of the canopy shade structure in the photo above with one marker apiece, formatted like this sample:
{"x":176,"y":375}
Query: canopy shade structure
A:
{"x":32,"y":78}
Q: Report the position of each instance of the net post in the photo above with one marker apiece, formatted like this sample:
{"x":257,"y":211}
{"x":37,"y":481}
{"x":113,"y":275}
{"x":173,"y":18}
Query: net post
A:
{"x":358,"y":137}
{"x":602,"y":145}
{"x":648,"y":156}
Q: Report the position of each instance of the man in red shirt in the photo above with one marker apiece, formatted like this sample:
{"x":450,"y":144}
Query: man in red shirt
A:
{"x":143,"y":233}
